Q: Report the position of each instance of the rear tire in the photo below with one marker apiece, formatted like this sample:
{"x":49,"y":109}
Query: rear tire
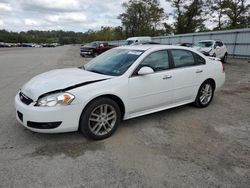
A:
{"x":205,"y":94}
{"x":100,"y":118}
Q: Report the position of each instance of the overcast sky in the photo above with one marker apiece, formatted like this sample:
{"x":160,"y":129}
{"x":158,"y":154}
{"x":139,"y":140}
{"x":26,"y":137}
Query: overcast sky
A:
{"x":73,"y":15}
{"x":70,"y":15}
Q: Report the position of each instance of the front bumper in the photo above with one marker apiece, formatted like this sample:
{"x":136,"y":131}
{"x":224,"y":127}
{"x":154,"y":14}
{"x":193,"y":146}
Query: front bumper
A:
{"x":84,"y":53}
{"x":48,"y":119}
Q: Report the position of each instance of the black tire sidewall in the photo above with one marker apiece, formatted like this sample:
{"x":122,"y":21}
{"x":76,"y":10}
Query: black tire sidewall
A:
{"x":197,"y":100}
{"x":84,"y":127}
{"x":224,"y":59}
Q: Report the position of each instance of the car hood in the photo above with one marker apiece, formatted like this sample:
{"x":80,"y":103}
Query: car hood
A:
{"x":59,"y":79}
{"x":86,"y":48}
{"x":203,"y":49}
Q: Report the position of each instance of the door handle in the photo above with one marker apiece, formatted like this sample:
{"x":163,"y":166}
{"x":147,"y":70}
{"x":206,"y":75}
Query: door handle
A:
{"x":166,"y":77}
{"x":199,"y":71}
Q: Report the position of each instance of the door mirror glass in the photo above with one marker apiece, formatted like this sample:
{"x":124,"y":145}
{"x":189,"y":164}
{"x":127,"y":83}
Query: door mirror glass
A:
{"x":145,"y":70}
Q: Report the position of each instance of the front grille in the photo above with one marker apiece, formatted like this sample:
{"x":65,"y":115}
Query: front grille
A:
{"x":26,"y":100}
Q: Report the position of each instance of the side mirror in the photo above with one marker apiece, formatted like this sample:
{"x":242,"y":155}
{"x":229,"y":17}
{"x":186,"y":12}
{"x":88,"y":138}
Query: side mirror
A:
{"x":145,"y":70}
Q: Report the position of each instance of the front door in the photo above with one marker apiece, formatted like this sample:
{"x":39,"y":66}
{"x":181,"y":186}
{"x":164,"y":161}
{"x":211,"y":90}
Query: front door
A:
{"x":148,"y":92}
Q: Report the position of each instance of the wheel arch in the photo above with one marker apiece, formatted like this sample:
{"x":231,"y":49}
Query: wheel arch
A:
{"x":212,"y":81}
{"x":115,"y":98}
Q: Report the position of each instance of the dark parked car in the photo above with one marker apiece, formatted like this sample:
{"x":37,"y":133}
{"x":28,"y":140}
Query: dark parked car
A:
{"x":27,"y":45}
{"x":95,"y":48}
{"x":4,"y":45}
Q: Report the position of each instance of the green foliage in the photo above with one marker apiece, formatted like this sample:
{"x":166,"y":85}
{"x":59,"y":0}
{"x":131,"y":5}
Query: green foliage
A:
{"x":238,"y":13}
{"x":218,"y":11}
{"x":189,"y":15}
{"x":142,"y":17}
{"x":33,"y":36}
{"x":231,"y":14}
{"x":62,"y":37}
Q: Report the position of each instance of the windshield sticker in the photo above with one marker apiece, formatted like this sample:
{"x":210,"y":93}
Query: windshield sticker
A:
{"x":135,"y":52}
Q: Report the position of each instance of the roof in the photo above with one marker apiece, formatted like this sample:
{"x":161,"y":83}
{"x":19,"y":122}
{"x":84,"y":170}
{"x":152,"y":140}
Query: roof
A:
{"x":147,"y":47}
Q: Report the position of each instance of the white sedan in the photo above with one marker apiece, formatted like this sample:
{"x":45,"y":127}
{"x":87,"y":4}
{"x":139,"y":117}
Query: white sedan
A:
{"x":122,"y":83}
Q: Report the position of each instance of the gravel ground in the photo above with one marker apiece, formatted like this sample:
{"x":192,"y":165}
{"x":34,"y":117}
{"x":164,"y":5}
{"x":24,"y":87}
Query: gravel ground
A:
{"x":181,"y":147}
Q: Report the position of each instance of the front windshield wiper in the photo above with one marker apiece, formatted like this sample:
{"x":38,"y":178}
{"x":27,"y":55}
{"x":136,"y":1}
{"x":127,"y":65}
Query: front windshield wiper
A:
{"x":96,"y":71}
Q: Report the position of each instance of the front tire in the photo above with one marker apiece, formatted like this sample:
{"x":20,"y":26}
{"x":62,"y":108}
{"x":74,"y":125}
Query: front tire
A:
{"x":205,"y":94}
{"x":100,"y":118}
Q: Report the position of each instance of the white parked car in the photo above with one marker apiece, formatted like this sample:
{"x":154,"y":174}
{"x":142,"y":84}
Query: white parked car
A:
{"x":122,"y":83}
{"x":214,"y":48}
{"x":137,"y":40}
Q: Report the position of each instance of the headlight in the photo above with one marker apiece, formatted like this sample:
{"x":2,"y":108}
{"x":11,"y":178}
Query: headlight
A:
{"x":56,"y":99}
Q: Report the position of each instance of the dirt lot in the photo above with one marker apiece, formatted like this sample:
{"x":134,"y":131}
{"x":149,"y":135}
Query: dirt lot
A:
{"x":181,"y":147}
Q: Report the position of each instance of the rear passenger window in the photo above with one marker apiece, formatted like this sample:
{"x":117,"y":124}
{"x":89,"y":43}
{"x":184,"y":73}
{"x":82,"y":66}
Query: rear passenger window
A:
{"x":182,"y":58}
{"x":199,"y":60}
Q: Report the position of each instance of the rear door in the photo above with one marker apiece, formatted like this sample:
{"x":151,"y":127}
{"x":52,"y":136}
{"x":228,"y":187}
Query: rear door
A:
{"x":188,"y":73}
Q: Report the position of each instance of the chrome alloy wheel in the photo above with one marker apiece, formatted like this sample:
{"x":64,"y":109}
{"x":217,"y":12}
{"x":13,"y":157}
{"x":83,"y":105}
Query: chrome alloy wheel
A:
{"x":102,"y":119}
{"x":206,"y":94}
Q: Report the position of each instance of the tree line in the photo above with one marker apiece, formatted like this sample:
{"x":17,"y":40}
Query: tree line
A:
{"x":148,"y":18}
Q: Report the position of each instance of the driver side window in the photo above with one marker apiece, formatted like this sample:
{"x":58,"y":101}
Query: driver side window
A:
{"x":158,"y":61}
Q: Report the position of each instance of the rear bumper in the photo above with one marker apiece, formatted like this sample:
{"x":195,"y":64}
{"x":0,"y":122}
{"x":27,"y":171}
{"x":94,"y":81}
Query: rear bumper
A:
{"x":220,"y":81}
{"x":48,"y":119}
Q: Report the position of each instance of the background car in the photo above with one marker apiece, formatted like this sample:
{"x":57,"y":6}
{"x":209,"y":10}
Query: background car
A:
{"x":142,"y":39}
{"x":95,"y":48}
{"x":4,"y":45}
{"x":214,"y":48}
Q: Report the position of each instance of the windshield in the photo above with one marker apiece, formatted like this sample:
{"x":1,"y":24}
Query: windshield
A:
{"x":113,"y":62}
{"x":92,"y":44}
{"x":204,"y":44}
{"x":129,"y":42}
